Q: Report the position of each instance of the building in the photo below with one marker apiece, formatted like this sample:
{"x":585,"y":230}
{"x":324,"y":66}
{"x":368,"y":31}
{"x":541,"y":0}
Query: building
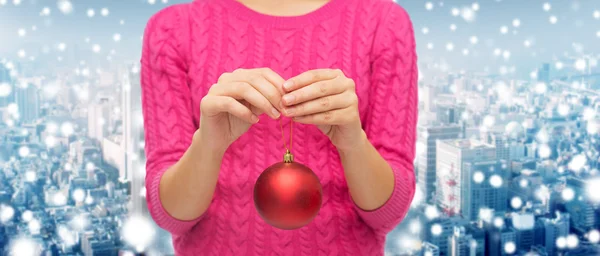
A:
{"x":6,"y":80}
{"x":133,"y":137}
{"x":98,"y":118}
{"x":478,"y":235}
{"x":447,"y":227}
{"x":543,"y":74}
{"x":450,"y":174}
{"x":461,"y":243}
{"x":426,"y":162}
{"x":582,"y":212}
{"x":483,"y":185}
{"x":449,"y":113}
{"x":553,"y":229}
{"x":27,"y":99}
{"x":428,"y":249}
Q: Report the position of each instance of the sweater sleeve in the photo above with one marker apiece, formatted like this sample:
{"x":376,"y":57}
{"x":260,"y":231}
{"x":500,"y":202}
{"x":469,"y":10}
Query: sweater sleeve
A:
{"x":391,"y":122}
{"x":166,"y":105}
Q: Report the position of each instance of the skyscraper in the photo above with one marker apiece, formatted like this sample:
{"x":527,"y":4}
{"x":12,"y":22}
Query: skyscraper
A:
{"x":582,"y":212}
{"x":98,"y":117}
{"x":553,"y":229}
{"x":133,"y":136}
{"x":5,"y":80}
{"x":543,"y":74}
{"x":483,"y":185}
{"x":426,"y":162}
{"x":447,"y":227}
{"x":461,"y":243}
{"x":451,"y":157}
{"x":429,"y":249}
{"x":27,"y":99}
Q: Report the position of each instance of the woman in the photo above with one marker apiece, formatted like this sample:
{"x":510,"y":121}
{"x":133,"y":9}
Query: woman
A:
{"x":217,"y":75}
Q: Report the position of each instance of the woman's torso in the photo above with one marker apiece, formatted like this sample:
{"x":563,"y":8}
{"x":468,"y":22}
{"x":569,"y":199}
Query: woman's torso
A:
{"x":226,"y":36}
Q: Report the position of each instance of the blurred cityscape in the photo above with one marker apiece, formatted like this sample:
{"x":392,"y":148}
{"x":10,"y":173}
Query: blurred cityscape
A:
{"x":506,"y":167}
{"x":72,"y":163}
{"x":507,"y":153}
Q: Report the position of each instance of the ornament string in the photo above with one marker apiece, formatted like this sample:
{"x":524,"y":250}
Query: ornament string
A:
{"x":287,"y":157}
{"x":283,"y":135}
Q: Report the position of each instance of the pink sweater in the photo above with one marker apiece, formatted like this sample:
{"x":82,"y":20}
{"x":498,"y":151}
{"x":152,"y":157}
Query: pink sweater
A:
{"x":187,"y":46}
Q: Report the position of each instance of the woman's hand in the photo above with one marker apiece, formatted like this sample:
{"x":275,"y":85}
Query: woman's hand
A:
{"x":234,"y":103}
{"x":326,"y":98}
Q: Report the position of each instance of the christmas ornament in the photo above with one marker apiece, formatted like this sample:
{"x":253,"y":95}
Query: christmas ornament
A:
{"x":288,"y":195}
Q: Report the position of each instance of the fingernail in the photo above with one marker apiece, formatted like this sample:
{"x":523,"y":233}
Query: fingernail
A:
{"x":275,"y":113}
{"x":288,"y":84}
{"x":288,"y":111}
{"x":288,"y":98}
{"x":254,"y":118}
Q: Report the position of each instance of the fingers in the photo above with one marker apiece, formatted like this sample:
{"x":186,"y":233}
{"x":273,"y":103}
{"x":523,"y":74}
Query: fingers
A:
{"x":310,"y":77}
{"x":266,"y":88}
{"x":274,"y":78}
{"x":265,"y":80}
{"x":215,"y":104}
{"x":313,"y":91}
{"x":332,"y":117}
{"x":323,"y":104}
{"x":245,"y":91}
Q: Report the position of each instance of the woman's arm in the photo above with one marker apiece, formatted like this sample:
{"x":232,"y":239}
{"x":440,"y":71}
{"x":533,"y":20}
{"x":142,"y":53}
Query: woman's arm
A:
{"x":184,"y":162}
{"x":388,"y":186}
{"x":181,"y":176}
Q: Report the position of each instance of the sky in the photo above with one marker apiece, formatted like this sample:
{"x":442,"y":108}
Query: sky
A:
{"x":454,"y":35}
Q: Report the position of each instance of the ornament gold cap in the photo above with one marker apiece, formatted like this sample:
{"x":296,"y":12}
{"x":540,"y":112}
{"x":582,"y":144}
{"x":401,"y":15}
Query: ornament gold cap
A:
{"x":288,"y":157}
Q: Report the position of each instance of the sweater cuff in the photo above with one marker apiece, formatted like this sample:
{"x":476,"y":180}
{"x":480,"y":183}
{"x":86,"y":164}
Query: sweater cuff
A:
{"x":160,"y":215}
{"x":390,"y":214}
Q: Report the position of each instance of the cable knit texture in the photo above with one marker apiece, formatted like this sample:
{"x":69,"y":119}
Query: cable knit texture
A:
{"x":188,"y":46}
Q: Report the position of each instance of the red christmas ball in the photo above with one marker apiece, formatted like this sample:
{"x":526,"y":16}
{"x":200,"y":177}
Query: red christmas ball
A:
{"x":288,"y":195}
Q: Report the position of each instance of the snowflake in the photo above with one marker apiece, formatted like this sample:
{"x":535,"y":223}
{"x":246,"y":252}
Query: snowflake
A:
{"x":429,"y":6}
{"x":496,"y":181}
{"x":455,"y":12}
{"x":593,"y":236}
{"x":510,"y":247}
{"x":580,"y":65}
{"x":91,"y":13}
{"x":138,"y":232}
{"x":6,"y":213}
{"x":436,"y":229}
{"x":593,"y":190}
{"x":577,"y":163}
{"x":516,"y":202}
{"x":96,"y":48}
{"x":553,"y":19}
{"x":104,"y":12}
{"x":516,"y":23}
{"x":45,"y":11}
{"x":478,"y":177}
{"x":468,"y":14}
{"x":572,"y":241}
{"x":547,"y":6}
{"x":568,"y":194}
{"x":474,"y":40}
{"x":25,"y":247}
{"x":65,"y":6}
